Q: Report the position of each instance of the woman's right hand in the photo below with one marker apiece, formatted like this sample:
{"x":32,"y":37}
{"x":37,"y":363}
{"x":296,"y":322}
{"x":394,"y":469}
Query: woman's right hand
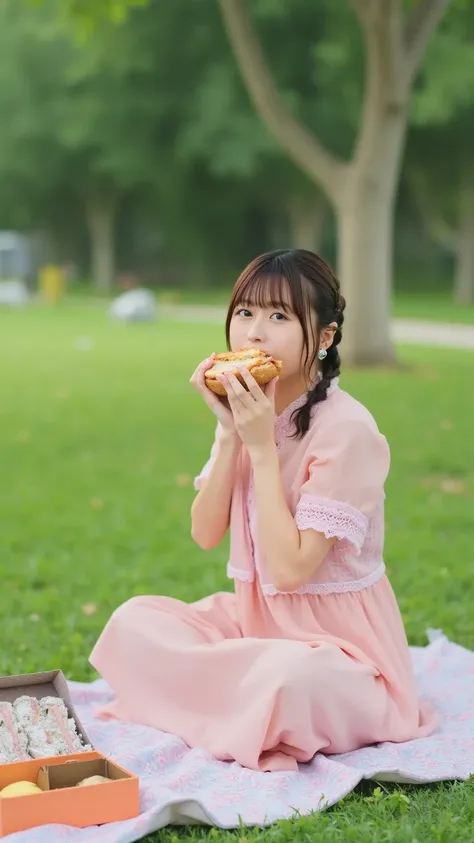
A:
{"x":218,"y":404}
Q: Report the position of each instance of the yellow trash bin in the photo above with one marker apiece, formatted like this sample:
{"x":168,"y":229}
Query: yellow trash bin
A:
{"x":52,"y":283}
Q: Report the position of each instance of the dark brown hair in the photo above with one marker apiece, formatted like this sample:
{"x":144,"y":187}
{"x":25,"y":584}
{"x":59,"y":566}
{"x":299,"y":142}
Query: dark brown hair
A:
{"x":300,"y":281}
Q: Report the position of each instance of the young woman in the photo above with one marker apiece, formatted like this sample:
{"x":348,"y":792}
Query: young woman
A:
{"x":309,"y":653}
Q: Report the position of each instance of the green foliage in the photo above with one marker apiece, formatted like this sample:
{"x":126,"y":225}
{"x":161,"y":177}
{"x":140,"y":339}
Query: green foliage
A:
{"x":440,"y":150}
{"x":143,"y":101}
{"x":83,"y":119}
{"x":89,"y":14}
{"x":446,"y":82}
{"x":31,"y":161}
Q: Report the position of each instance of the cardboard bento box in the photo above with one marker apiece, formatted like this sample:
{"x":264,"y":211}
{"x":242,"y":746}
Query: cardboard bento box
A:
{"x":61,"y":801}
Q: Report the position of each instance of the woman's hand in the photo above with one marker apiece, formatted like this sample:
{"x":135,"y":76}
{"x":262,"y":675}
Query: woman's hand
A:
{"x":217,"y":404}
{"x":253,"y":411}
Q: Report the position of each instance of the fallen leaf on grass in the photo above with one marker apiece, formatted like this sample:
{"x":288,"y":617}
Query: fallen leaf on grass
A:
{"x":183,"y":480}
{"x":97,"y":503}
{"x":453,"y":486}
{"x":89,"y":609}
{"x":448,"y":485}
{"x":23,"y":436}
{"x":427,"y":372}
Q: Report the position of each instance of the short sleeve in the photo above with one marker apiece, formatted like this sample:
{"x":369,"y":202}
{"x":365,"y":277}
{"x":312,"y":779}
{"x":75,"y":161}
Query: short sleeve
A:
{"x":347,"y":469}
{"x":206,"y":469}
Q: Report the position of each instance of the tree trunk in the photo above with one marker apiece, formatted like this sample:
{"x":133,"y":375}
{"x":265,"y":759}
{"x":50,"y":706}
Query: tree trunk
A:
{"x":363,"y":190}
{"x":365,"y":267}
{"x":307,"y":220}
{"x":365,"y":235}
{"x":464,"y":278}
{"x":101,"y":211}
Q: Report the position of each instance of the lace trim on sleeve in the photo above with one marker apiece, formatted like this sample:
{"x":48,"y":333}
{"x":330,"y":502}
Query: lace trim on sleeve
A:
{"x":240,"y":574}
{"x":332,"y":518}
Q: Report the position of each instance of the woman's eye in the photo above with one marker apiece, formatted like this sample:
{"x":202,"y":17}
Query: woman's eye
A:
{"x":278,"y":316}
{"x":242,"y":311}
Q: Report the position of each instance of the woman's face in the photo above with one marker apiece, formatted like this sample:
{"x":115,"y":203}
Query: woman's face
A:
{"x":278,"y":331}
{"x":275,"y":330}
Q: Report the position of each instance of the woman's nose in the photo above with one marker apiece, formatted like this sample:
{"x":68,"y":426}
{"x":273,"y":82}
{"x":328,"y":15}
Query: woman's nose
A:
{"x":255,"y":332}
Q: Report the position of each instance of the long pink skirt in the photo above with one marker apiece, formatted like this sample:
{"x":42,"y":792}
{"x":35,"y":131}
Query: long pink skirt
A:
{"x":265,"y":681}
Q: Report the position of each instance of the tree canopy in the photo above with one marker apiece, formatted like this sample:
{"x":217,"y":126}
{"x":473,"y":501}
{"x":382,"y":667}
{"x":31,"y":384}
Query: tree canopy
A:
{"x":212,"y":131}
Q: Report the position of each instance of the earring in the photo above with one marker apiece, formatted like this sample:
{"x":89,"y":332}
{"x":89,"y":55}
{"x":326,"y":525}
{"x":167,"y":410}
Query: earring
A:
{"x":322,"y":354}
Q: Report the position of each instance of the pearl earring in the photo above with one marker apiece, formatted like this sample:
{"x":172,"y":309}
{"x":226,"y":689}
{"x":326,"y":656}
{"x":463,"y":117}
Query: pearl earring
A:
{"x":322,"y":354}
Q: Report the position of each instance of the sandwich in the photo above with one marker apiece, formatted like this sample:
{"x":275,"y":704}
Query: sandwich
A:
{"x":262,"y":366}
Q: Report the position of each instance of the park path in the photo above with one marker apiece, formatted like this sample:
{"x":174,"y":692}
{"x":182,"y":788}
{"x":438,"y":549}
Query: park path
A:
{"x":406,"y":331}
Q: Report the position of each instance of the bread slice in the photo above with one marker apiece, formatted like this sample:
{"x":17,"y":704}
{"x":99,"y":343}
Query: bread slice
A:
{"x":262,"y":366}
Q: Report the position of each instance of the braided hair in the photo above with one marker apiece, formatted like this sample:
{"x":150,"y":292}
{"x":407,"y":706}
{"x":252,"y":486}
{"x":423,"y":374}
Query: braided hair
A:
{"x":330,"y":369}
{"x":313,"y":289}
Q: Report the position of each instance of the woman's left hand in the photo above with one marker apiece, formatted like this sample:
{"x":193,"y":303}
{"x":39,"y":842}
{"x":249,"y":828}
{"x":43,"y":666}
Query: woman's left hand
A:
{"x":253,"y":410}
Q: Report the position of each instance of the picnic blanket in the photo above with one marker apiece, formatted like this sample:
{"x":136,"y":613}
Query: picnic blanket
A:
{"x":179,"y":785}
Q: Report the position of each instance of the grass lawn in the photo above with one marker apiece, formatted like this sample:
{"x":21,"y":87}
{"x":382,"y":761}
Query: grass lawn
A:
{"x":433,"y":307}
{"x":100,"y":435}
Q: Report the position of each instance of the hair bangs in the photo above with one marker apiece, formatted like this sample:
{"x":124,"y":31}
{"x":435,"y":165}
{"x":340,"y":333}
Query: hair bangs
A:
{"x":273,"y":282}
{"x":265,"y":291}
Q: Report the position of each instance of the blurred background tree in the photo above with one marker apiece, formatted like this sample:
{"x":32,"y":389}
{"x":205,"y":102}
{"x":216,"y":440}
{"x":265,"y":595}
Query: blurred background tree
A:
{"x":440,"y":155}
{"x":180,"y":141}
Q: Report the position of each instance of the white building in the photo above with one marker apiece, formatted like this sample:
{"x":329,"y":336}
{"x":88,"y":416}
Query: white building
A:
{"x":15,"y":255}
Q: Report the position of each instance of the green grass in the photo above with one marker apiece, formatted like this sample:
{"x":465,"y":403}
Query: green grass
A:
{"x":100,"y":434}
{"x":433,"y":307}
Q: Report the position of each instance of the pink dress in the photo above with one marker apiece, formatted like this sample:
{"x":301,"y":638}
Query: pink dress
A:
{"x":270,"y":679}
